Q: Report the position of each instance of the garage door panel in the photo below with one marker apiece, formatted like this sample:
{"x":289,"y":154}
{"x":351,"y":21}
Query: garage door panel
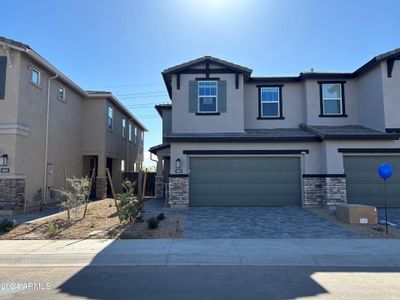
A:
{"x":364,"y":185}
{"x":244,"y":189}
{"x":234,"y":181}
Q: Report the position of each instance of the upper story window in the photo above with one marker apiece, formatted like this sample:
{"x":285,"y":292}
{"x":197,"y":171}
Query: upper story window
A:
{"x":332,"y":99}
{"x":130,"y":132}
{"x":123,"y":128}
{"x":123,"y":165}
{"x":207,"y":94}
{"x":142,"y":136}
{"x":35,"y":76}
{"x":110,"y":117}
{"x":270,"y":106}
{"x":135,"y":134}
{"x":61,"y":93}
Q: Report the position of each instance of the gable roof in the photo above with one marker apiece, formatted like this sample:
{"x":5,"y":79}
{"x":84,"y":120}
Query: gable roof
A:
{"x":207,"y":59}
{"x":167,"y":73}
{"x":387,"y":56}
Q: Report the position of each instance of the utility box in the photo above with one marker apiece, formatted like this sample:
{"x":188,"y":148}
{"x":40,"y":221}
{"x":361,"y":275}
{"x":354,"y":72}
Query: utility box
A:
{"x":357,"y":214}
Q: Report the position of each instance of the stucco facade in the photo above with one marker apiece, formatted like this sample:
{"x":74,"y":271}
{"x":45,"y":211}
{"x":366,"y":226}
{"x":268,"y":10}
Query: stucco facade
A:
{"x":368,"y":122}
{"x":76,"y":130}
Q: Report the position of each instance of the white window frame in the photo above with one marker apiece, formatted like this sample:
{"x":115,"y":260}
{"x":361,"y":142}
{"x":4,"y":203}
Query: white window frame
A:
{"x":340,"y":99}
{"x":264,"y":101}
{"x":39,"y":75}
{"x":108,"y":117}
{"x":130,"y":131}
{"x":216,"y":96}
{"x":136,"y":135}
{"x":122,"y":165}
{"x":58,"y":93}
{"x":123,"y":126}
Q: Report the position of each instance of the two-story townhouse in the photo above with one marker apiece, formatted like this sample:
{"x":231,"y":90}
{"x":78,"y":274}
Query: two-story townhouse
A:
{"x":50,"y":128}
{"x":312,"y":139}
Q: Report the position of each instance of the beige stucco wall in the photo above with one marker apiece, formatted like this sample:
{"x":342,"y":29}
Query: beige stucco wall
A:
{"x":312,"y":161}
{"x":9,"y":105}
{"x":77,"y":127}
{"x":293,"y":107}
{"x":65,"y":122}
{"x":391,"y":95}
{"x":231,"y":121}
{"x":334,"y":160}
{"x":313,"y":109}
{"x":370,"y":99}
{"x":119,"y":148}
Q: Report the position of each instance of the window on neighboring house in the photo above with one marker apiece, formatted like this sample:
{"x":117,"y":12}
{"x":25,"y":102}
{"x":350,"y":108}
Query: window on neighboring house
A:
{"x":110,"y":117}
{"x":130,"y":132}
{"x":123,"y":128}
{"x":35,"y":76}
{"x":135,"y":134}
{"x":61,"y":93}
{"x":207,"y":91}
{"x":3,"y":160}
{"x":270,"y":102}
{"x":142,"y":136}
{"x":123,"y":165}
{"x":332,"y":99}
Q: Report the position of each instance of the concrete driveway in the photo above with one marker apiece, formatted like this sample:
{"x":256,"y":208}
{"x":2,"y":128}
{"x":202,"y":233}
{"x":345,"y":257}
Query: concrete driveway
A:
{"x":253,"y":222}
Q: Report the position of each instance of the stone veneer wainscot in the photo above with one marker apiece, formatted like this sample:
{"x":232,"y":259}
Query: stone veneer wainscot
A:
{"x":12,"y":193}
{"x":178,"y":191}
{"x":324,"y":190}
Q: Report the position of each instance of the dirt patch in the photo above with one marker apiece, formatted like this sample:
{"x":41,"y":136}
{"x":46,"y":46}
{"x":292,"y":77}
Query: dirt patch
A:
{"x":170,"y":227}
{"x":364,"y":231}
{"x":101,"y":222}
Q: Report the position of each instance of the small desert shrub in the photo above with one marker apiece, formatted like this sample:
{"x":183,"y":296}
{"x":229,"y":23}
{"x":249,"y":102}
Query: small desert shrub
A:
{"x":6,"y":225}
{"x":161,"y":217}
{"x":152,"y":223}
{"x":77,"y":194}
{"x":129,"y":207}
{"x":53,"y":229}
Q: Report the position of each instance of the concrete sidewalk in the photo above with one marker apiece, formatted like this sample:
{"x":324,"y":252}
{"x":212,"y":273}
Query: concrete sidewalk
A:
{"x":159,"y":252}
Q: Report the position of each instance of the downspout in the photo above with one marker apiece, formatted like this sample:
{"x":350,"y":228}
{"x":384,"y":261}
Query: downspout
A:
{"x":47,"y":138}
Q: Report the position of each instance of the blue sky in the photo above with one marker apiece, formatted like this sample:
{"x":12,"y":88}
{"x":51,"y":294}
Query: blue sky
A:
{"x":123,"y":45}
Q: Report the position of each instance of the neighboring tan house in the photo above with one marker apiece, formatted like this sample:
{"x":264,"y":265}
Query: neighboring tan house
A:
{"x":49,"y":125}
{"x":230,"y":139}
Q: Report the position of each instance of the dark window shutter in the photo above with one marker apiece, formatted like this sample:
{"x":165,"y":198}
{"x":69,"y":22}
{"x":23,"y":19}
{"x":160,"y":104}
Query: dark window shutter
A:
{"x":222,"y":105}
{"x":3,"y":68}
{"x":193,"y":96}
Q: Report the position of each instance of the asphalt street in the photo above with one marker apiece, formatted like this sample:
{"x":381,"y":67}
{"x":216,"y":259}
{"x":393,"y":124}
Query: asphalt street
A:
{"x":201,"y":282}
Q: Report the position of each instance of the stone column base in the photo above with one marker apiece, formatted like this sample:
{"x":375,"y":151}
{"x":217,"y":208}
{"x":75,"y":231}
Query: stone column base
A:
{"x":159,"y":187}
{"x":178,"y":191}
{"x":325,"y":191}
{"x":101,"y":187}
{"x":12,"y":194}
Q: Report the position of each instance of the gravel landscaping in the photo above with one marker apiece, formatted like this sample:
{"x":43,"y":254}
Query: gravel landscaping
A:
{"x":101,"y":222}
{"x":363,"y":231}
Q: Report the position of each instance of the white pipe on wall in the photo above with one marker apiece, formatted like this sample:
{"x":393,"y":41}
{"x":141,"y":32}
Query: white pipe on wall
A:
{"x":47,"y":138}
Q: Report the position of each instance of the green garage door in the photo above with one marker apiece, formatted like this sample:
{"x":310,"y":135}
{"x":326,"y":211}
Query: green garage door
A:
{"x":244,"y":181}
{"x":364,"y":185}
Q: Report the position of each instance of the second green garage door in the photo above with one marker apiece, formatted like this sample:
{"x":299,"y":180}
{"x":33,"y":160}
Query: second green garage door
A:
{"x":364,"y":185}
{"x":244,"y":181}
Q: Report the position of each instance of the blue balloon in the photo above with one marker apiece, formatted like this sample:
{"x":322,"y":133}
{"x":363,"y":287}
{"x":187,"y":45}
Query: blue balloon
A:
{"x":385,"y":171}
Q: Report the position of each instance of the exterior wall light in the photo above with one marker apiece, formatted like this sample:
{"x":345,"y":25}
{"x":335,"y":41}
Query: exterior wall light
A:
{"x":3,"y":160}
{"x":178,"y":164}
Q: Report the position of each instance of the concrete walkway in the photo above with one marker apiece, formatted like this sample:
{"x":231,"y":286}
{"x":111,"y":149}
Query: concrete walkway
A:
{"x":161,"y":252}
